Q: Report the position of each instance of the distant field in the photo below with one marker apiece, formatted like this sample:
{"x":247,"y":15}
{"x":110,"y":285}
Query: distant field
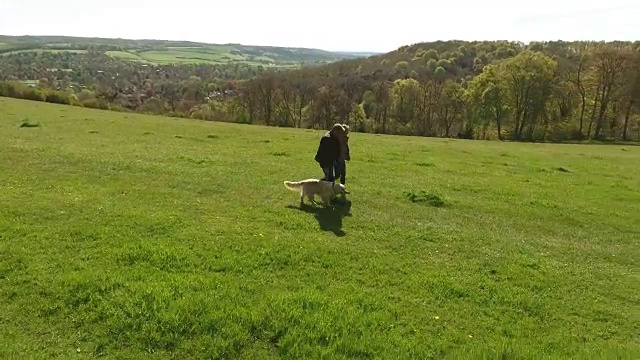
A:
{"x":124,"y":236}
{"x":188,"y":55}
{"x":167,"y":52}
{"x":30,"y":82}
{"x":46,"y":50}
{"x":126,"y":56}
{"x":217,"y":55}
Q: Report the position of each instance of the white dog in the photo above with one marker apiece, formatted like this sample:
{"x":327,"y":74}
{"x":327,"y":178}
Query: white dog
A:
{"x":309,"y":188}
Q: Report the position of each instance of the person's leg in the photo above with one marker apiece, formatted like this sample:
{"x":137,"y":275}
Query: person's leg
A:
{"x":338,"y":174}
{"x":328,"y":173}
{"x":331,"y":174}
{"x":324,"y":171}
{"x":343,"y":172}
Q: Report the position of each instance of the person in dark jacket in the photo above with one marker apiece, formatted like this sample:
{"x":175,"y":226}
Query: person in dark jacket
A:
{"x":328,"y":152}
{"x":341,"y":167}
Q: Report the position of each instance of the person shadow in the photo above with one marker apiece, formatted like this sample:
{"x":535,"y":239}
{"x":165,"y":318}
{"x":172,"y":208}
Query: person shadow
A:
{"x":329,"y":218}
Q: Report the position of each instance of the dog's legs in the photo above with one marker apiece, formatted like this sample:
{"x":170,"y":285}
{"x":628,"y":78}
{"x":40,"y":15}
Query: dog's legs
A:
{"x":308,"y":196}
{"x":326,"y":201}
{"x":312,"y":199}
{"x":301,"y":198}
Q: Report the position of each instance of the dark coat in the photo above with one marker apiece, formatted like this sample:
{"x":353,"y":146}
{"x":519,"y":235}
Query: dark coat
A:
{"x":344,"y":153}
{"x":328,"y":150}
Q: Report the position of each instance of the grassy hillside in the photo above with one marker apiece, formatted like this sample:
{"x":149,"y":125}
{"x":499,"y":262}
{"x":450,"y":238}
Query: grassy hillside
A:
{"x":171,"y":52}
{"x":123,"y":235}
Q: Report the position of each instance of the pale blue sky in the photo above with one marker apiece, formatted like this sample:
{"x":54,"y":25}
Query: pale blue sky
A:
{"x":355,"y":25}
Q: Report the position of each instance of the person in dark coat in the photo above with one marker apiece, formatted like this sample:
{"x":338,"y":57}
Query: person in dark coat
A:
{"x":341,"y":166}
{"x":329,"y":150}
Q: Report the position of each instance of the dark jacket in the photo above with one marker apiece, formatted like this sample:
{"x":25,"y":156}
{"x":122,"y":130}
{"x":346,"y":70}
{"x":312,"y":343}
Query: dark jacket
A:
{"x":344,"y":152}
{"x":328,"y":150}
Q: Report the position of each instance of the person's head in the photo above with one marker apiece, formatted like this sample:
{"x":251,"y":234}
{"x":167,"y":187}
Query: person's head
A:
{"x":337,"y":130}
{"x":346,"y":130}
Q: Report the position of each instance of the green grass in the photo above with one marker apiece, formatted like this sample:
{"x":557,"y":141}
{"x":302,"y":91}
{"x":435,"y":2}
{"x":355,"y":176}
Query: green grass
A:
{"x":187,"y":55}
{"x":126,"y":55}
{"x":211,"y":55}
{"x":124,"y":235}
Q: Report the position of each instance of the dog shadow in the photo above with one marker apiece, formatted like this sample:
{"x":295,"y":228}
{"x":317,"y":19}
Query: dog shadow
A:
{"x":329,"y":218}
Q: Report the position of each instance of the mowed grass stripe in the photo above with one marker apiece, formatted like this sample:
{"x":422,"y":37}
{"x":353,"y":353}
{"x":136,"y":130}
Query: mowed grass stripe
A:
{"x":123,"y":235}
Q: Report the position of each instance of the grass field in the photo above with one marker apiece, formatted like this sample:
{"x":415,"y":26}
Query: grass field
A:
{"x":124,"y":235}
{"x":185,"y":55}
{"x":214,"y":54}
{"x":126,"y":55}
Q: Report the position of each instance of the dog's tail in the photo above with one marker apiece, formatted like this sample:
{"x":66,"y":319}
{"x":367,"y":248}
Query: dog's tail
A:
{"x":293,"y":185}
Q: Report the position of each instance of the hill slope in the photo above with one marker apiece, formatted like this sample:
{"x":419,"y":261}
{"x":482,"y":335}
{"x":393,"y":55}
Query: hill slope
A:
{"x":167,"y":52}
{"x":123,"y":235}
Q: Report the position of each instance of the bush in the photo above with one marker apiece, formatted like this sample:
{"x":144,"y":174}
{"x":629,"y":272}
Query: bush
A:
{"x":212,"y":111}
{"x":12,"y":90}
{"x":57,"y":98}
{"x":33,"y":94}
{"x":467,"y":133}
{"x":96,"y":104}
{"x":153,"y":106}
{"x":73,"y":100}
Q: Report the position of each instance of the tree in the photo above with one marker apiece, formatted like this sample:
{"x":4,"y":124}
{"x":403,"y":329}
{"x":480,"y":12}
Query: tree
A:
{"x":608,"y":68}
{"x":357,"y":117}
{"x":405,"y":95}
{"x":452,"y":106}
{"x":527,"y":77}
{"x":486,"y":96}
{"x":321,"y":111}
{"x":266,"y":91}
{"x":633,"y":92}
{"x":577,"y":78}
{"x":169,"y":92}
{"x":193,"y":89}
{"x":382,"y":99}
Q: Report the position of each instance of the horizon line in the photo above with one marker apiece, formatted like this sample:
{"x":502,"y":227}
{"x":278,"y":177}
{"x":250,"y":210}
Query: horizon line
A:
{"x":312,"y":48}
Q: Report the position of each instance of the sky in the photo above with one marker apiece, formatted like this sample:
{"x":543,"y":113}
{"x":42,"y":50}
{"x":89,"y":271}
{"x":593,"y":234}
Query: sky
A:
{"x":336,"y":25}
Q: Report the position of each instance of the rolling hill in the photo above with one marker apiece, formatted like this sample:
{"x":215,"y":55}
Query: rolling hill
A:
{"x":172,"y":52}
{"x":582,"y":90}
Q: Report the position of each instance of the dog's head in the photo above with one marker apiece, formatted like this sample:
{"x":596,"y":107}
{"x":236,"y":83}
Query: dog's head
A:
{"x":339,"y":189}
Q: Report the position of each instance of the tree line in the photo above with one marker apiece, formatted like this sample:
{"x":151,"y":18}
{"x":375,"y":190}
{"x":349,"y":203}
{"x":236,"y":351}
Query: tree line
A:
{"x":551,"y":91}
{"x":538,"y":92}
